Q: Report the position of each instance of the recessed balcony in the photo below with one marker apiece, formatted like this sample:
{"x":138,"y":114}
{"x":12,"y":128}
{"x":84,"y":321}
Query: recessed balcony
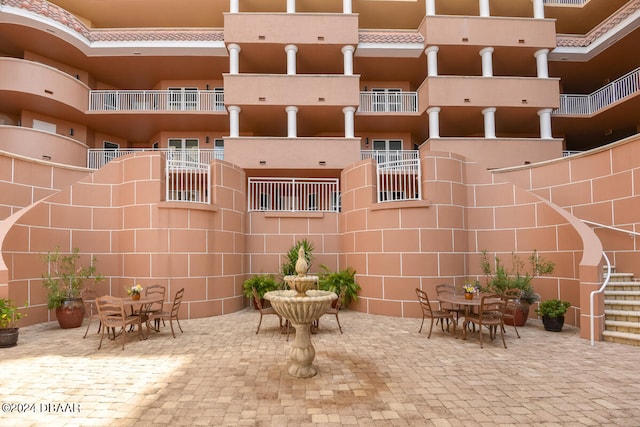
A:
{"x":156,"y":100}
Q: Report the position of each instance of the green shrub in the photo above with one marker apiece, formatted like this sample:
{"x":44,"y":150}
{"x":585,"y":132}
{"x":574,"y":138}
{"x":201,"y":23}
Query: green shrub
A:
{"x":553,"y":308}
{"x":336,"y":281}
{"x":262,"y":283}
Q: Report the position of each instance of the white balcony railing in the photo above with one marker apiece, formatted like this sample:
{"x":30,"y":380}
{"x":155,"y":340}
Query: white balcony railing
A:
{"x":388,"y":102}
{"x":156,"y":100}
{"x":98,"y":157}
{"x":399,"y":180}
{"x":294,"y":194}
{"x":569,"y":2}
{"x":187,"y":181}
{"x":577,"y":105}
{"x":383,"y":156}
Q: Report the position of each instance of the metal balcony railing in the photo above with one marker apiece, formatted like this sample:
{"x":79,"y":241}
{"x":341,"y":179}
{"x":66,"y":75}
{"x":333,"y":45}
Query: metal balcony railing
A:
{"x":388,"y":102}
{"x":577,"y":105}
{"x":569,"y":2}
{"x":399,"y":180}
{"x":294,"y":195}
{"x":382,"y":156}
{"x":98,"y":157}
{"x":156,"y":100}
{"x":187,"y":181}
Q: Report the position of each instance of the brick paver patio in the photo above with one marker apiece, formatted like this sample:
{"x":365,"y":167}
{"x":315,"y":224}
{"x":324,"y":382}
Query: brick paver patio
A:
{"x":380,"y":372}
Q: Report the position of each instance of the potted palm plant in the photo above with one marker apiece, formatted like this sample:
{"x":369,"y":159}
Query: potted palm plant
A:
{"x":552,"y":312}
{"x":64,"y":281}
{"x":339,"y":280}
{"x":9,"y":316}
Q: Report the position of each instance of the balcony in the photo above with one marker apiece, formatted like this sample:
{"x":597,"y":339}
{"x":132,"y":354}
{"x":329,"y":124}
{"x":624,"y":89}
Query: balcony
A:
{"x":156,"y":100}
{"x":586,"y":105}
{"x":391,"y":102}
{"x":293,"y":195}
{"x":97,"y":158}
{"x":384,"y":156}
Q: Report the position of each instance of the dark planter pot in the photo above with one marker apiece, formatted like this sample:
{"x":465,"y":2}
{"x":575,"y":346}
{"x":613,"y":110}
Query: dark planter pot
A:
{"x":8,"y":337}
{"x":553,"y":324}
{"x":70,"y":314}
{"x":520,"y":316}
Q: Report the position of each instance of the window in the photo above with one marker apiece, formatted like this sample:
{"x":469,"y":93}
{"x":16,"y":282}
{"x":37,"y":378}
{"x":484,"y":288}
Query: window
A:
{"x":110,"y":151}
{"x":45,"y":126}
{"x":218,"y":143}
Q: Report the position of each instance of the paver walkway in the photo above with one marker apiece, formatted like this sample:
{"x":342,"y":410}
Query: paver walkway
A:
{"x":380,"y":372}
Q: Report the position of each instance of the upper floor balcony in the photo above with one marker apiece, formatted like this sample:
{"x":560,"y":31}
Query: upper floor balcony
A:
{"x":388,"y":102}
{"x":156,"y":100}
{"x":291,"y":28}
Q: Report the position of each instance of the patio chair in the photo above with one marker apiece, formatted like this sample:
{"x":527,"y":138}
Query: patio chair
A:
{"x":91,"y":311}
{"x":491,"y":315}
{"x":112,"y":315}
{"x":156,"y":308}
{"x":428,"y":312}
{"x":168,"y":315}
{"x":335,"y":310}
{"x":446,"y":288}
{"x":511,"y":297}
{"x":265,"y":311}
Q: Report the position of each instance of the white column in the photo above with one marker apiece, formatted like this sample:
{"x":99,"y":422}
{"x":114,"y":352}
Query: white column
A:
{"x":431,"y":7}
{"x":234,"y":58}
{"x":292,"y":125}
{"x":234,"y":121}
{"x":234,"y":6}
{"x":489,"y":122}
{"x":347,"y":53}
{"x":348,"y":121}
{"x":484,"y":8}
{"x":545,"y":123}
{"x":541,"y":63}
{"x":487,"y":61}
{"x":291,"y":58}
{"x":432,"y":60}
{"x":434,"y":122}
{"x":538,"y":9}
{"x":291,"y":6}
{"x":346,"y":6}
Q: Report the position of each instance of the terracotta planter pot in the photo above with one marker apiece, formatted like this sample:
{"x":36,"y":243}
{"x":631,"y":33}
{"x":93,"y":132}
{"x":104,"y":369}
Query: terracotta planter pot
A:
{"x":520,"y":316}
{"x":8,"y":337}
{"x":70,"y":314}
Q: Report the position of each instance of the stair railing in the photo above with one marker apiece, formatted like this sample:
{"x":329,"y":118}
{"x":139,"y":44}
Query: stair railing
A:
{"x":593,"y":295}
{"x":608,"y":278}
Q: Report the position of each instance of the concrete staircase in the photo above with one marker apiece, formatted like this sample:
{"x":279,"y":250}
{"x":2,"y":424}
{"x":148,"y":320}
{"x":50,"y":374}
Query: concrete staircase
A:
{"x":622,"y":309}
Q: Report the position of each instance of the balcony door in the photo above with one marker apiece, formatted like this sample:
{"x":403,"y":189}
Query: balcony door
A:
{"x":183,"y":98}
{"x":183,"y":149}
{"x":386,"y":100}
{"x":387,"y":150}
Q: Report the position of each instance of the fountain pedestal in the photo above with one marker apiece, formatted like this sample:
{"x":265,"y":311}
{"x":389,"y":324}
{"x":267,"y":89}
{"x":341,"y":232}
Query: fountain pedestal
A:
{"x":301,"y":311}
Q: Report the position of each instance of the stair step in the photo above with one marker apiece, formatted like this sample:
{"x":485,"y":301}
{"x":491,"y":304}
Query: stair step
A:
{"x":622,"y":337}
{"x":626,"y":313}
{"x":622,"y":324}
{"x":623,"y":293}
{"x":620,"y":276}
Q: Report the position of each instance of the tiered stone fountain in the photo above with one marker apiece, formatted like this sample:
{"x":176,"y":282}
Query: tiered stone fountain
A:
{"x":301,"y":305}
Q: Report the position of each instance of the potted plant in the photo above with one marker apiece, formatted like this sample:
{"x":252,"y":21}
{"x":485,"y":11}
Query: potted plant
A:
{"x":339,"y":280}
{"x":64,"y":280}
{"x":9,"y":316}
{"x":552,"y":312}
{"x":502,"y":279}
{"x":262,"y":283}
{"x":288,"y":267}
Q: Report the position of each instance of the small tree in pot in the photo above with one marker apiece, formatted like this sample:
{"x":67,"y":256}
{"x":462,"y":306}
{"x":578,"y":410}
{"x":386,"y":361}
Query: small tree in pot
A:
{"x":64,"y":280}
{"x":552,"y":312}
{"x":503,"y":279}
